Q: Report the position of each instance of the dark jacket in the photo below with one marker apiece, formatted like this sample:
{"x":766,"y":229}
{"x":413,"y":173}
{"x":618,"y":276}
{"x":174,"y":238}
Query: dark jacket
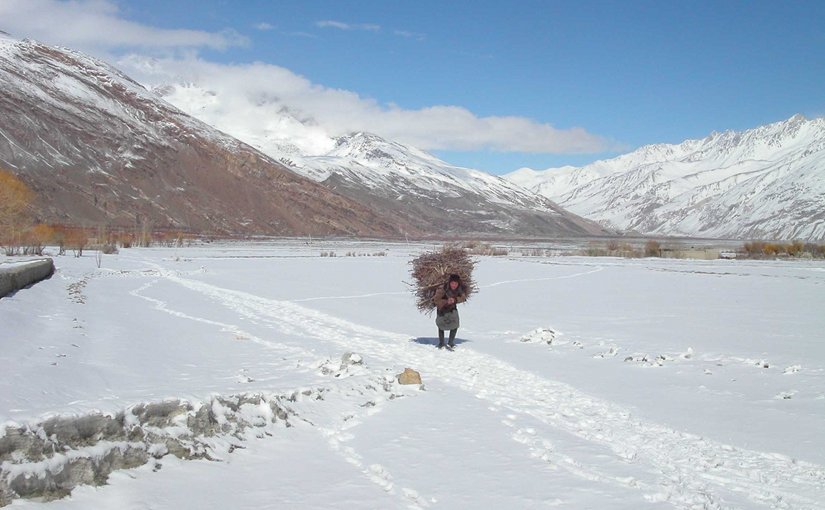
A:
{"x":442,"y":294}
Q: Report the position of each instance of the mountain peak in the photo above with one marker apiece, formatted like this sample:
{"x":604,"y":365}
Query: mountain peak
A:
{"x":360,"y":139}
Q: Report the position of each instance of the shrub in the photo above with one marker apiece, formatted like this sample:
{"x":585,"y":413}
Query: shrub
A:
{"x":594,"y":250}
{"x":37,"y":237}
{"x":653,"y":249}
{"x":76,"y":240}
{"x":760,"y":249}
{"x":795,"y":249}
{"x":754,"y":249}
{"x":480,"y":248}
{"x":123,"y":239}
{"x":772,"y":249}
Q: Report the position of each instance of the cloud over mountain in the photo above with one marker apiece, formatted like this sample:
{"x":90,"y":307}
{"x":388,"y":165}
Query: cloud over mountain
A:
{"x":102,"y":28}
{"x":245,"y":88}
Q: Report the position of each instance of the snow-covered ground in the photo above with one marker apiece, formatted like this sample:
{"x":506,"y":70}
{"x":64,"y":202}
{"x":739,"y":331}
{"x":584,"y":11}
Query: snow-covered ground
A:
{"x":577,"y":382}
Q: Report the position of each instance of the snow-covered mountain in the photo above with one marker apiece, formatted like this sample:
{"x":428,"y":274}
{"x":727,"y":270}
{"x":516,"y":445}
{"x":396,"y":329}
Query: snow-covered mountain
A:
{"x":767,"y":183}
{"x":98,"y":148}
{"x":398,"y":179}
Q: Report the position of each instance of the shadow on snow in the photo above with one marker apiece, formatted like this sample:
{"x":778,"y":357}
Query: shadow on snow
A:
{"x":433,"y":340}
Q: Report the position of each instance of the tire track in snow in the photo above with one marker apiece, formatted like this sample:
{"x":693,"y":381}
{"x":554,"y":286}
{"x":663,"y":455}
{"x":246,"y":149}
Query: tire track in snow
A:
{"x":690,"y":471}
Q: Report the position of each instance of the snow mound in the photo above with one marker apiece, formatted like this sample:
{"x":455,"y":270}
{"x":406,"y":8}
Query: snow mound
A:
{"x":49,"y":459}
{"x":540,"y":336}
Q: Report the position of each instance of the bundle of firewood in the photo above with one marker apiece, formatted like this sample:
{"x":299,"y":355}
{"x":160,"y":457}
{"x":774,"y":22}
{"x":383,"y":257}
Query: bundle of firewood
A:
{"x":431,"y":270}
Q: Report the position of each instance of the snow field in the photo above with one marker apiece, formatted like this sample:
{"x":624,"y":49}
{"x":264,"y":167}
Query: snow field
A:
{"x":577,"y":383}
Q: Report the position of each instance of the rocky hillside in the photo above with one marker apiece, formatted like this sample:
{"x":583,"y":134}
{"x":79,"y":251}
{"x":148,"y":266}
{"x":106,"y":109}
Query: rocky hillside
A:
{"x":453,"y":200}
{"x":98,"y":148}
{"x":404,"y":182}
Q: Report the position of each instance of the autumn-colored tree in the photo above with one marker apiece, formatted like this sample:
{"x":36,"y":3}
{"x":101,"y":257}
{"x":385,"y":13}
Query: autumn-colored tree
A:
{"x":15,"y":198}
{"x":796,"y":248}
{"x":59,"y":238}
{"x":125,"y":239}
{"x":773,"y":249}
{"x":755,"y":249}
{"x":76,"y":240}
{"x":38,"y":236}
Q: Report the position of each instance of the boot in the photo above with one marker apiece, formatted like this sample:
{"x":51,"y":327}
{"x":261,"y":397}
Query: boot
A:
{"x":440,"y":338}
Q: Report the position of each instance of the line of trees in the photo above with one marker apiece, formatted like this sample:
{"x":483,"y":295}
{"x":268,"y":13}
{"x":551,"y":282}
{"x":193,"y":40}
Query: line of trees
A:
{"x":762,"y":249}
{"x":749,"y":250}
{"x":19,"y":235}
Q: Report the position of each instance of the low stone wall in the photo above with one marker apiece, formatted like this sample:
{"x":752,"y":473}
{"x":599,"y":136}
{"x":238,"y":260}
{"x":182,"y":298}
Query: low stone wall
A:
{"x":17,"y":276}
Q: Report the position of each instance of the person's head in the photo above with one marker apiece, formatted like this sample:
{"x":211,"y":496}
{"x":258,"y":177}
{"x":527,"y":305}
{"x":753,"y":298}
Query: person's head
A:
{"x":454,"y":281}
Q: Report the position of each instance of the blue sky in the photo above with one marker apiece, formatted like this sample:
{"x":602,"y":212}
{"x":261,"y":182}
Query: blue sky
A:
{"x":605,"y":77}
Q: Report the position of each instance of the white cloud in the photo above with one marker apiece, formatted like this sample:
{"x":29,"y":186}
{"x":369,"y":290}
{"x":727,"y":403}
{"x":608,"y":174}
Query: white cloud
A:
{"x":97,"y":26}
{"x":348,"y":26}
{"x":245,"y":94}
{"x":250,"y":92}
{"x":264,"y":26}
{"x":409,"y":35}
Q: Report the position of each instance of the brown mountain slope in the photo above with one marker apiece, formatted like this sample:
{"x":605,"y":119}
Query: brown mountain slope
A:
{"x":98,"y":148}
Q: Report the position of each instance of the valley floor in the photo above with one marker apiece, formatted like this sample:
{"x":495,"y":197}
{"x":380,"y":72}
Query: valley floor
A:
{"x":577,"y":382}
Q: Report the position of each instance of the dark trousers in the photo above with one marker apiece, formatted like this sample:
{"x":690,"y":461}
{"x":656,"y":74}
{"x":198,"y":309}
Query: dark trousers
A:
{"x":441,"y":336}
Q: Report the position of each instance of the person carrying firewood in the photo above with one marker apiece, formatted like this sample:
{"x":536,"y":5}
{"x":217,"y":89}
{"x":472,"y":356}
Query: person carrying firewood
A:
{"x":446,"y":298}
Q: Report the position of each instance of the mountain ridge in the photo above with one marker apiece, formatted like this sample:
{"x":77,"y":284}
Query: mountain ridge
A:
{"x":99,"y":149}
{"x":406,"y":181}
{"x":767,"y":182}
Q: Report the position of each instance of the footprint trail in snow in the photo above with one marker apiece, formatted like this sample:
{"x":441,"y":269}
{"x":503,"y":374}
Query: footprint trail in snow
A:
{"x":663,"y":464}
